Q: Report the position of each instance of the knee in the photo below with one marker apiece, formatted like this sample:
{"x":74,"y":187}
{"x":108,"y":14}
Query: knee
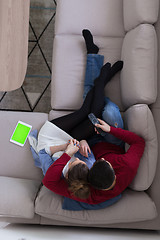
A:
{"x":112,"y":115}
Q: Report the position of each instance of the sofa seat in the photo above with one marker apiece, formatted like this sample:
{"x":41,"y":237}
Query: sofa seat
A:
{"x":49,"y":205}
{"x":20,"y":162}
{"x":17,"y":197}
{"x":72,"y":77}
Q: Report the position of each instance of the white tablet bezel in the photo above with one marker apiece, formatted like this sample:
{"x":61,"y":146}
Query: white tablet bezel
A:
{"x":25,"y":124}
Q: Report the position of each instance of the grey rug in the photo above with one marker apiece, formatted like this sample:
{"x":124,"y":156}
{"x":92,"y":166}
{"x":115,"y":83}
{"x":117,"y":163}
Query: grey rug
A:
{"x":34,"y":95}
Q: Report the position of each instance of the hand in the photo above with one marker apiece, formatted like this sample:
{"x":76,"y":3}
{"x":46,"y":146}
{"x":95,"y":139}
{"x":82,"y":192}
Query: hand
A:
{"x":84,"y":148}
{"x":103,"y":125}
{"x":72,"y":147}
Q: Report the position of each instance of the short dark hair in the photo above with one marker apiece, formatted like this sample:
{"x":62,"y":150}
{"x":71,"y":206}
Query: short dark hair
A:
{"x":101,"y":175}
{"x":77,"y":181}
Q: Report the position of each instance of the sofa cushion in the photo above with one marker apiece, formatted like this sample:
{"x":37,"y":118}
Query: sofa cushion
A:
{"x":139,"y":11}
{"x":139,"y":119}
{"x":17,"y":197}
{"x":70,"y":204}
{"x":18,"y":161}
{"x":55,"y":114}
{"x":132,"y":207}
{"x":73,"y":15}
{"x":139,"y":74}
{"x":69,"y":53}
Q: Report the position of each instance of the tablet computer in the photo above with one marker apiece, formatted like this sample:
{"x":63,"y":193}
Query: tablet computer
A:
{"x":20,"y":133}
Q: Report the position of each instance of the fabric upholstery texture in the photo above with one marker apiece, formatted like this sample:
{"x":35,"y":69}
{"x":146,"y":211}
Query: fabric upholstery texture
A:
{"x":72,"y":22}
{"x":139,"y":11}
{"x":139,"y":119}
{"x":55,"y":114}
{"x":17,"y":197}
{"x":20,"y":163}
{"x":49,"y":205}
{"x":70,"y":204}
{"x":139,"y":75}
{"x":74,"y":63}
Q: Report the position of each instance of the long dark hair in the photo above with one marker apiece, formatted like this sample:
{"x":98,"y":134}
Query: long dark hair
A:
{"x":77,"y":181}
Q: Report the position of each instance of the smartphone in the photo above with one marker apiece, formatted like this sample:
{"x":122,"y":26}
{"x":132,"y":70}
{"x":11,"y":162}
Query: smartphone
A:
{"x":94,"y":121}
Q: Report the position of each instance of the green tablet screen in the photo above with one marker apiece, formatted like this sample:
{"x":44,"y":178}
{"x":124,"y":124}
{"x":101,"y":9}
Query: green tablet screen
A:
{"x":20,"y":134}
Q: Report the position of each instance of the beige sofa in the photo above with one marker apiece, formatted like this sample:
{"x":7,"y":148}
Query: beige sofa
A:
{"x":123,"y":29}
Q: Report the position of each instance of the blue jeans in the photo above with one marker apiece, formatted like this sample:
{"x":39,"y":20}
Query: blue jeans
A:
{"x":111,"y":113}
{"x":93,"y":67}
{"x":45,"y":161}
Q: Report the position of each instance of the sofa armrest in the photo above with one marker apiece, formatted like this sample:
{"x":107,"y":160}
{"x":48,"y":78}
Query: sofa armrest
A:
{"x":139,"y":119}
{"x":139,"y":75}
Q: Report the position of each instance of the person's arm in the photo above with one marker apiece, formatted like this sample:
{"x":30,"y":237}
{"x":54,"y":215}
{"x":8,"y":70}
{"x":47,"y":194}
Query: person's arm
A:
{"x":136,"y":149}
{"x":136,"y":142}
{"x":53,"y":180}
{"x":54,"y":149}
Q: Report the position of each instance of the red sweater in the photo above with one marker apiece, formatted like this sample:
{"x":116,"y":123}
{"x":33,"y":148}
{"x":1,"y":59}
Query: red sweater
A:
{"x":125,"y":165}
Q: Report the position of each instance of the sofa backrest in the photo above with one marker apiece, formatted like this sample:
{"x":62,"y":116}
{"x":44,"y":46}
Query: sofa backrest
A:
{"x":139,"y":75}
{"x":123,"y":29}
{"x":103,"y":18}
{"x":69,"y":51}
{"x":139,"y":52}
{"x":138,"y":12}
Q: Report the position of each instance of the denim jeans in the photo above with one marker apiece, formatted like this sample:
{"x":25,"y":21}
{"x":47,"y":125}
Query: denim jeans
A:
{"x":93,"y":67}
{"x":45,"y":161}
{"x":111,"y":113}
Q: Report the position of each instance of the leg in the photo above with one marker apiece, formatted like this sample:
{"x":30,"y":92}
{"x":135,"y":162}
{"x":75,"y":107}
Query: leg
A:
{"x":111,"y":114}
{"x":41,"y":159}
{"x":69,"y":122}
{"x":93,"y":67}
{"x":85,"y":129}
{"x":77,"y":124}
{"x":94,"y":61}
{"x":45,"y":160}
{"x":96,"y":104}
{"x":79,"y":119}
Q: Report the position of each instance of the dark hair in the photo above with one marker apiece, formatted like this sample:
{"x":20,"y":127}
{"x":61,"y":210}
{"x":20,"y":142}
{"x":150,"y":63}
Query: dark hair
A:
{"x":77,"y":181}
{"x":101,"y":175}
